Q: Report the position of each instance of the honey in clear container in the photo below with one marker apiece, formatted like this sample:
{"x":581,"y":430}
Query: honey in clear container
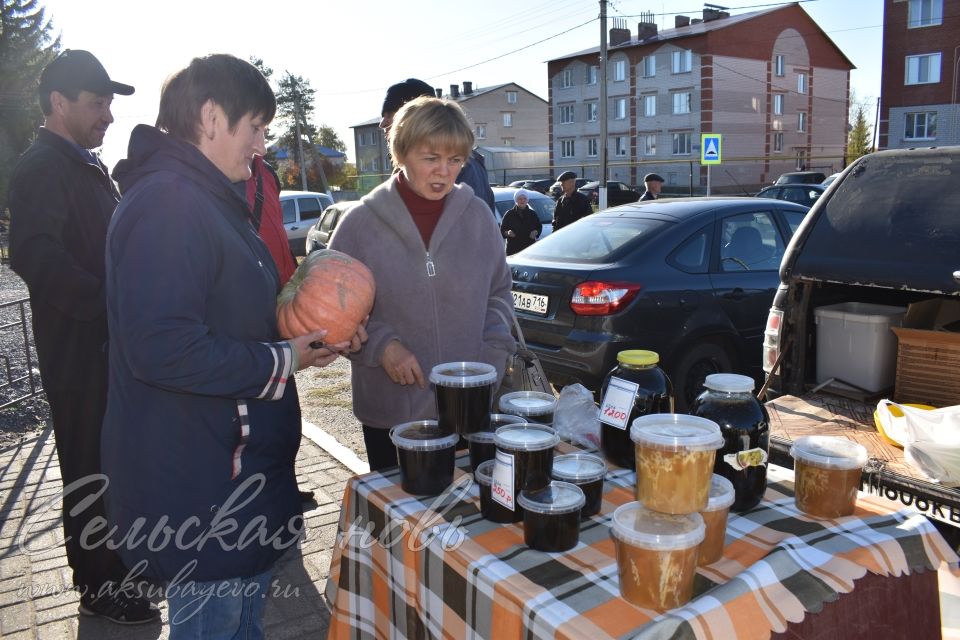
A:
{"x":827,"y":475}
{"x":674,"y":458}
{"x":656,"y":555}
{"x":715,"y":515}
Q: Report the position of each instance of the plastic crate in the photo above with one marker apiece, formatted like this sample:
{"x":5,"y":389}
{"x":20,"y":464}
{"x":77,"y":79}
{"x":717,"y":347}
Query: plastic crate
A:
{"x":855,"y":344}
{"x":928,"y":367}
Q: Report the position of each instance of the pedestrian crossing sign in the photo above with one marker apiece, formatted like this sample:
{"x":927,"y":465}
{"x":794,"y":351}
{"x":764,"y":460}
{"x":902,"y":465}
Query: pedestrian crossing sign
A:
{"x":710,"y":148}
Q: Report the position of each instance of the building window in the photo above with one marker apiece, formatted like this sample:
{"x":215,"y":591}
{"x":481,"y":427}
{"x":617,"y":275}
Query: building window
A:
{"x":682,"y":61}
{"x":778,"y":104}
{"x":778,"y":65}
{"x":592,"y":112}
{"x":481,"y":132}
{"x":567,"y":148}
{"x":924,"y":13}
{"x":592,"y":73}
{"x":566,"y":79}
{"x":649,"y":66}
{"x":802,"y":122}
{"x":593,"y":147}
{"x":511,"y":97}
{"x":508,"y":119}
{"x":681,"y":144}
{"x":650,"y":105}
{"x":621,"y":108}
{"x":650,"y":144}
{"x":375,"y":164}
{"x":923,"y":69}
{"x":507,"y":142}
{"x":621,"y":145}
{"x":620,"y":70}
{"x":681,"y":102}
{"x":801,"y":83}
{"x":921,"y":126}
{"x":566,"y":114}
{"x":778,"y":142}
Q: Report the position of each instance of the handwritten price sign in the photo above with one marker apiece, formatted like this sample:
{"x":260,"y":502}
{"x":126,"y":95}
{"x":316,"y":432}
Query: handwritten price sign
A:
{"x":618,"y":402}
{"x":501,"y":490}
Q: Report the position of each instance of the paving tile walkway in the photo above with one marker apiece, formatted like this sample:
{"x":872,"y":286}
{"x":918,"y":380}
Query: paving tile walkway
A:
{"x":35,"y":599}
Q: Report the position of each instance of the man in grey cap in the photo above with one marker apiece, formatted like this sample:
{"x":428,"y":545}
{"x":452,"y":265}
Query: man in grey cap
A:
{"x":572,"y":204}
{"x":653,"y":183}
{"x":474,"y":172}
{"x":61,"y":200}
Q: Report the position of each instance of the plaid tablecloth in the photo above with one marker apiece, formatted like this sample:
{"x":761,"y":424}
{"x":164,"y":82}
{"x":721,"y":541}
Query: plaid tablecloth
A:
{"x":411,"y":568}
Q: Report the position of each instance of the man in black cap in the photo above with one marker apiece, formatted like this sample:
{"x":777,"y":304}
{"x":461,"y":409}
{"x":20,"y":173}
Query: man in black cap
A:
{"x":61,"y":200}
{"x":653,"y":183}
{"x":572,"y":204}
{"x":474,"y":172}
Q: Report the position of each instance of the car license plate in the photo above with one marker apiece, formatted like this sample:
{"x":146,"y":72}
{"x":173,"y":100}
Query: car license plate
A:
{"x":530,"y":302}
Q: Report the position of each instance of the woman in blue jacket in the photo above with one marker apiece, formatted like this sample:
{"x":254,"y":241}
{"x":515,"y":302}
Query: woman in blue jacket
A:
{"x":203,"y":422}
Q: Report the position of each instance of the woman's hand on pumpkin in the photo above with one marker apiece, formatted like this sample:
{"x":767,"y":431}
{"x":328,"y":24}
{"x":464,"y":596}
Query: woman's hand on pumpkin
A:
{"x":318,"y":355}
{"x":356,"y":342}
{"x":401,"y":365}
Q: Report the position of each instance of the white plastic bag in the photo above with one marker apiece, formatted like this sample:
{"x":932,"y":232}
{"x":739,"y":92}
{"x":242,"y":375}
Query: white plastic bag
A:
{"x":575,"y":418}
{"x":930,"y":438}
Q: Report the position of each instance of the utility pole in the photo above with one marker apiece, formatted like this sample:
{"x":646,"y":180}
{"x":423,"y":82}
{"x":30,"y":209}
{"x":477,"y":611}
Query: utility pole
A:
{"x":602,"y":187}
{"x":296,"y":118}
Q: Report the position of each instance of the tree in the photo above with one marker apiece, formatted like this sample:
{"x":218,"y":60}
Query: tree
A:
{"x":327,"y":137}
{"x":26,"y":47}
{"x":860,"y":139}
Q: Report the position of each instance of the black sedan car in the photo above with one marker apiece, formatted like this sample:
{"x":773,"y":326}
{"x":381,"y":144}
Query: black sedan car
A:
{"x":540,"y":186}
{"x":617,"y":193}
{"x":691,"y":279}
{"x":805,"y":194}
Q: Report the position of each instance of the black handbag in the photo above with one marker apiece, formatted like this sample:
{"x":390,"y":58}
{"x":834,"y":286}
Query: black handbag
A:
{"x":523,"y":371}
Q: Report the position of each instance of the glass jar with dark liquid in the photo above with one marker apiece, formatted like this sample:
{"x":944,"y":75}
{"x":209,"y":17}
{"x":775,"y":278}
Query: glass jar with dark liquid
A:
{"x":745,"y":425}
{"x":635,"y":387}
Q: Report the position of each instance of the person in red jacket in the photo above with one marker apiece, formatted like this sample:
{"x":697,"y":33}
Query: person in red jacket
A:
{"x":263,"y":196}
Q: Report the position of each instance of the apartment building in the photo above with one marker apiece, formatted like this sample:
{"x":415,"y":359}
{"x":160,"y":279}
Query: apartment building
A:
{"x":918,"y":88}
{"x":771,"y":82}
{"x":505,"y":115}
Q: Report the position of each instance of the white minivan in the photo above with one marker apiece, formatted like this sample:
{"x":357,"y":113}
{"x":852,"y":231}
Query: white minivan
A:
{"x":300,"y":210}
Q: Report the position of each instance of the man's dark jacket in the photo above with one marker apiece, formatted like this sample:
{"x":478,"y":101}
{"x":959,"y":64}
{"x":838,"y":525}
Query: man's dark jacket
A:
{"x":61,"y":202}
{"x":570,"y":209}
{"x":474,"y":175}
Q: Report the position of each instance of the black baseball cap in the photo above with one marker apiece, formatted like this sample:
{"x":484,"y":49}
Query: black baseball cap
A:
{"x":78,"y":70}
{"x":402,"y":93}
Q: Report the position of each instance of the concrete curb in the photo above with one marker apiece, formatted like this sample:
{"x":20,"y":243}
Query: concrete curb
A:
{"x":328,"y":443}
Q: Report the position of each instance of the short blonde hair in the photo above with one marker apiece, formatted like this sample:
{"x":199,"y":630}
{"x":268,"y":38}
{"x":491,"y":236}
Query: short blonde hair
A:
{"x":438,"y":123}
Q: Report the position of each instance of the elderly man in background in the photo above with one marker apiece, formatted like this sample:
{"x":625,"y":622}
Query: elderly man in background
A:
{"x":653,"y":183}
{"x":572,"y":204}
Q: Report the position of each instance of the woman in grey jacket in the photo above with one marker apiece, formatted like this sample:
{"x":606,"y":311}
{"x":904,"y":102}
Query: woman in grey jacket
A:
{"x":443,"y":285}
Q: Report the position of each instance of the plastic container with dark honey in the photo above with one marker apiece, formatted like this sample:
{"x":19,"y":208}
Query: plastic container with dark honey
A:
{"x":551,"y":516}
{"x":635,"y":387}
{"x":715,"y":516}
{"x":656,"y":555}
{"x":481,"y":444}
{"x":532,"y":406}
{"x":527,"y":449}
{"x":827,"y":475}
{"x":426,"y":455}
{"x":675,"y":454}
{"x":464,"y":393}
{"x":586,"y":471}
{"x":745,"y":425}
{"x":489,"y":508}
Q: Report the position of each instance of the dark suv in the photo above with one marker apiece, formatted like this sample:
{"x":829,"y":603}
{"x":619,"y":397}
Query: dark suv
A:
{"x":888,"y":233}
{"x":801,"y":177}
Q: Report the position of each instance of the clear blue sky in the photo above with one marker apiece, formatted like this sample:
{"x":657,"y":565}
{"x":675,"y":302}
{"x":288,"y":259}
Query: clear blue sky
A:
{"x":351,"y":51}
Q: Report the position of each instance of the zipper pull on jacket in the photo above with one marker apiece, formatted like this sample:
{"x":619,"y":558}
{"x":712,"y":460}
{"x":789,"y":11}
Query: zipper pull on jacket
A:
{"x":431,"y":270}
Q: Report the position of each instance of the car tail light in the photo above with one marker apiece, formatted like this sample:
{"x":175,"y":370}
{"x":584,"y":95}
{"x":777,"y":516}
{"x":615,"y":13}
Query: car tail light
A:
{"x":602,"y":298}
{"x":771,"y":340}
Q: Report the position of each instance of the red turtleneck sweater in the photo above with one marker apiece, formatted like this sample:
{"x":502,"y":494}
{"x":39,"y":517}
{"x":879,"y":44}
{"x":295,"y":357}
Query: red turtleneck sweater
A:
{"x":425,"y":213}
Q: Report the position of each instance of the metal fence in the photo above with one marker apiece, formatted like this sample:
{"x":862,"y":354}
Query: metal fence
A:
{"x":20,"y":378}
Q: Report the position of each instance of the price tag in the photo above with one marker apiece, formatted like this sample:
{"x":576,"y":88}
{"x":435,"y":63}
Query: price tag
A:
{"x":502,"y":488}
{"x":617,"y":402}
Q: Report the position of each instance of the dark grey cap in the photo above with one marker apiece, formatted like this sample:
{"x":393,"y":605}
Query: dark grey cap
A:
{"x":653,"y":177}
{"x":566,"y":175}
{"x":78,"y":70}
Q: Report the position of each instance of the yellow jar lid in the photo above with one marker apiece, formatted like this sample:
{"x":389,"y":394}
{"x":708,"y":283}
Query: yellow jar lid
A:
{"x":638,"y":357}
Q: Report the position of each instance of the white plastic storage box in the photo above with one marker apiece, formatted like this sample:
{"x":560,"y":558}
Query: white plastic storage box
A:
{"x":855,"y":344}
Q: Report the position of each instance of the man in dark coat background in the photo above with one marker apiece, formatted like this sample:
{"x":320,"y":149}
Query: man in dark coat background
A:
{"x":61,"y":201}
{"x":572,"y":205}
{"x":653,"y":183}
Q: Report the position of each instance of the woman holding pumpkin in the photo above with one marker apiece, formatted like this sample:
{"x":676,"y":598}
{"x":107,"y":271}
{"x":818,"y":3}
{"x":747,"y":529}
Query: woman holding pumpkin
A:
{"x":442,"y":282}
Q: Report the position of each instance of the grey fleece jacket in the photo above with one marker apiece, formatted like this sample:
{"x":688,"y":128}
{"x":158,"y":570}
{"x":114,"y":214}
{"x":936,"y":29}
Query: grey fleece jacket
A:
{"x":439,"y":301}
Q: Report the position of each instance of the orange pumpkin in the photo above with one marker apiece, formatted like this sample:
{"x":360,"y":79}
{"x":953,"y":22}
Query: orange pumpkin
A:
{"x":329,"y":290}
